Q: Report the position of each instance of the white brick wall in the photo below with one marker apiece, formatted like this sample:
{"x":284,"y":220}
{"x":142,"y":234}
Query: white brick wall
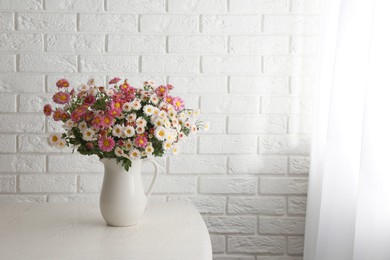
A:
{"x":249,"y":66}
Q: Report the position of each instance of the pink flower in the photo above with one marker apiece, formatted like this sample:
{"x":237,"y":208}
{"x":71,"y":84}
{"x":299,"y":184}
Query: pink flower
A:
{"x":161,"y":91}
{"x":61,"y":97}
{"x":88,"y":116}
{"x":114,"y":112}
{"x":76,"y":117}
{"x":168,"y":99}
{"x":97,"y":121}
{"x":47,"y":110}
{"x":125,"y":87}
{"x":178,"y":103}
{"x":141,"y":141}
{"x":106,"y":144}
{"x":107,"y":121}
{"x":117,"y":104}
{"x":114,"y":80}
{"x":62,"y":83}
{"x":59,"y":114}
{"x":89,"y":145}
{"x":169,"y":86}
{"x":89,"y":100}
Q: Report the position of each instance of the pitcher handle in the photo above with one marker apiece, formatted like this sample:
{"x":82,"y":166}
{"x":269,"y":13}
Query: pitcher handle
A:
{"x":155,"y":165}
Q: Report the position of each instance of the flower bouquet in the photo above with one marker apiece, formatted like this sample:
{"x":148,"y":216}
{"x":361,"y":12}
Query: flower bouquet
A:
{"x":121,"y":122}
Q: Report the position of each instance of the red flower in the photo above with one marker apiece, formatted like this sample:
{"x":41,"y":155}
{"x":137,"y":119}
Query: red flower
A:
{"x":47,"y":110}
{"x":114,"y":80}
{"x":89,"y":100}
{"x":62,"y":83}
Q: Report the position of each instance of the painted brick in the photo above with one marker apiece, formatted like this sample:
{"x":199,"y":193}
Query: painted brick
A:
{"x":258,"y":244}
{"x":190,"y":146}
{"x":233,"y":24}
{"x":169,"y":23}
{"x":33,"y":103}
{"x":172,"y":184}
{"x":21,"y":83}
{"x":184,"y":164}
{"x":22,"y":198}
{"x":136,"y":6}
{"x":110,"y":23}
{"x":75,"y":43}
{"x":288,"y":65}
{"x":112,"y":63}
{"x":148,"y":167}
{"x":257,"y":125}
{"x":230,"y":224}
{"x":303,"y":6}
{"x":7,"y":63}
{"x":218,"y":243}
{"x":46,"y":22}
{"x":291,"y":24}
{"x":231,"y":64}
{"x":205,"y":205}
{"x":295,"y":245}
{"x":197,"y":6}
{"x":284,"y":144}
{"x":218,"y":123}
{"x":38,"y":143}
{"x":197,"y":44}
{"x":6,"y":21}
{"x":304,"y":45}
{"x":234,"y":104}
{"x":288,"y":226}
{"x":270,"y":185}
{"x":170,"y":64}
{"x":257,"y":165}
{"x":259,"y":85}
{"x":228,"y":185}
{"x":240,"y":257}
{"x":47,"y":63}
{"x":22,"y":163}
{"x":259,"y":44}
{"x":303,"y":85}
{"x":226,"y":144}
{"x":196,"y":84}
{"x":7,"y":183}
{"x":8,"y":103}
{"x":263,"y":206}
{"x":191,"y":100}
{"x":279,"y":258}
{"x":136,"y":43}
{"x":297,"y":205}
{"x":299,"y":165}
{"x":22,"y":123}
{"x":91,"y":183}
{"x":300,"y":124}
{"x":79,"y":198}
{"x":8,"y":143}
{"x":74,"y":80}
{"x":21,"y":4}
{"x":74,"y":163}
{"x":286,"y":105}
{"x":74,"y":5}
{"x":21,"y":42}
{"x":256,"y":6}
{"x":47,"y":183}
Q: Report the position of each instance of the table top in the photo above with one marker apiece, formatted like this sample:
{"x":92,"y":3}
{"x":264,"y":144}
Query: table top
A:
{"x":168,"y":231}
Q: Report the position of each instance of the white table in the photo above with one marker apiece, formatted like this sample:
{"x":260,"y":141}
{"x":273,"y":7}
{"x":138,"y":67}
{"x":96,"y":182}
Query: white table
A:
{"x":168,"y":231}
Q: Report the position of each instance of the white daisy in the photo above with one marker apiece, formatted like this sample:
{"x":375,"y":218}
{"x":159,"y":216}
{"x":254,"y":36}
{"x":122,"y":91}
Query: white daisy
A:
{"x":196,"y":112}
{"x":187,"y":124}
{"x":175,"y":150}
{"x":141,"y":122}
{"x":149,"y":149}
{"x":69,"y":124}
{"x":189,"y":113}
{"x":61,"y":143}
{"x":54,"y":139}
{"x":158,"y":122}
{"x":171,"y":137}
{"x":118,"y":152}
{"x":128,"y":131}
{"x":172,"y":114}
{"x":148,"y":110}
{"x":206,"y":126}
{"x":175,"y":122}
{"x":131,"y":118}
{"x":160,"y":133}
{"x":127,"y":107}
{"x":82,"y":126}
{"x":181,"y":135}
{"x":162,"y":114}
{"x":88,"y":134}
{"x":167,"y":124}
{"x":140,"y":129}
{"x":135,"y":154}
{"x":154,"y":99}
{"x":194,"y":129}
{"x":83,"y":87}
{"x":136,"y":104}
{"x":117,"y":130}
{"x":110,"y":92}
{"x":167,"y":145}
{"x":128,"y":144}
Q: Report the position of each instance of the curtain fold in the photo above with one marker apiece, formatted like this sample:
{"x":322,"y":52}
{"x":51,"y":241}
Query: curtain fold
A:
{"x":347,"y":198}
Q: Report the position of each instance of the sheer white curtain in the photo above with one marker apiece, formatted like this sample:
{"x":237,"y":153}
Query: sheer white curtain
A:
{"x":348,"y":211}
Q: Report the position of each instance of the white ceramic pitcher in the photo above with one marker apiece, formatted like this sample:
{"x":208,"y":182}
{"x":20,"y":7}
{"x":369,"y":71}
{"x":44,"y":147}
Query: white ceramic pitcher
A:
{"x":122,"y":199}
